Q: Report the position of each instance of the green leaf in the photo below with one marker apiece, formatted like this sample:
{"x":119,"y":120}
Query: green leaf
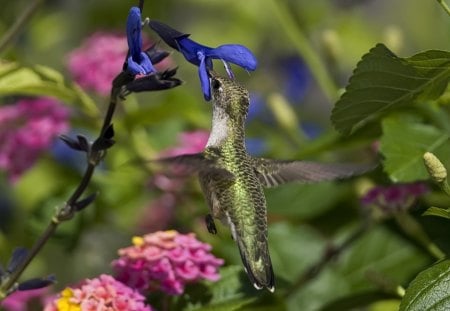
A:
{"x":429,"y":290}
{"x":436,"y":211}
{"x":380,"y":252}
{"x":358,"y":300}
{"x":231,"y":305}
{"x":383,"y":82}
{"x":403,"y":144}
{"x":305,"y":201}
{"x":31,"y":82}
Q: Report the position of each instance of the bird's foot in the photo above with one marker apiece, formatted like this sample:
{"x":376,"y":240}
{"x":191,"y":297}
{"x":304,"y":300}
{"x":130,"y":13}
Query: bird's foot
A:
{"x":210,"y":224}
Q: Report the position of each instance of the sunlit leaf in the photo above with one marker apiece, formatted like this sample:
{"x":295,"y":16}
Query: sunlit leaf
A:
{"x":382,"y":82}
{"x":403,"y":144}
{"x":26,"y":81}
{"x":436,"y":211}
{"x":429,"y":290}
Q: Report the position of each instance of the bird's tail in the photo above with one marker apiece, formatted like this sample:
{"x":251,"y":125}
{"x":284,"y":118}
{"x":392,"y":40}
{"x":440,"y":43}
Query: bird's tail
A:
{"x":257,"y":263}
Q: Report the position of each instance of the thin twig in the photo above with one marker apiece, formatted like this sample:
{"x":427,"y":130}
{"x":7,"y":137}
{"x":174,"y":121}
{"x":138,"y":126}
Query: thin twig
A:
{"x":331,"y":253}
{"x":20,"y":22}
{"x":304,"y":48}
{"x":70,"y":203}
{"x":444,"y":6}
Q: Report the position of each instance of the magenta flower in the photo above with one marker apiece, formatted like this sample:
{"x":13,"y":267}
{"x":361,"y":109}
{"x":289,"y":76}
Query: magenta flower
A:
{"x":27,"y":128}
{"x":188,"y":142}
{"x":22,"y":300}
{"x":166,"y":261}
{"x":97,"y":62}
{"x":393,"y":198}
{"x":102,"y":293}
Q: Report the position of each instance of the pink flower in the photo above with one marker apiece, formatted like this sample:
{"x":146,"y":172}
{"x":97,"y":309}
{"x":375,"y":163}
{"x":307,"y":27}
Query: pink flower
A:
{"x":22,"y":300}
{"x":102,"y":293}
{"x":166,"y":261}
{"x":96,"y":63}
{"x":188,"y":143}
{"x":27,"y":128}
{"x":100,"y":58}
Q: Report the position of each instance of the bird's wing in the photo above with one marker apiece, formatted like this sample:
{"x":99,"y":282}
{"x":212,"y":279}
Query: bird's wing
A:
{"x":196,"y":162}
{"x":272,"y":173}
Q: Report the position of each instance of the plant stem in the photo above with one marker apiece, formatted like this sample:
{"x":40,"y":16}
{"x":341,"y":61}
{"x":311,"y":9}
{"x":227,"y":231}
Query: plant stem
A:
{"x":20,"y":22}
{"x":332,"y":252}
{"x":444,"y":6}
{"x":305,"y":50}
{"x":57,"y":219}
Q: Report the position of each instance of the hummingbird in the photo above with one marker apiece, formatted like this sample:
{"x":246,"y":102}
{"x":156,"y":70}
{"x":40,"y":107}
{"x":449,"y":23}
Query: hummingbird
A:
{"x":233,"y":181}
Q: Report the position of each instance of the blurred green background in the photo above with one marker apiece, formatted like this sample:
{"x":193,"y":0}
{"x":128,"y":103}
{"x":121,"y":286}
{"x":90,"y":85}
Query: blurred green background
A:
{"x":289,"y":119}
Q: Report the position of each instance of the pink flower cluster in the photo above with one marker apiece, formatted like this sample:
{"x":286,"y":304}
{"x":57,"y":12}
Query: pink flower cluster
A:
{"x":166,"y":261}
{"x":96,"y":63}
{"x":23,"y":300}
{"x":102,"y":293}
{"x":395,"y":197}
{"x":26,"y":129}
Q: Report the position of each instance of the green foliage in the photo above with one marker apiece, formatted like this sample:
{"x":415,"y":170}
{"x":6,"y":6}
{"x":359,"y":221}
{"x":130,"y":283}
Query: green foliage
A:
{"x":403,"y":144}
{"x":429,"y":290}
{"x":436,"y":211}
{"x":401,"y":102}
{"x":383,"y":82}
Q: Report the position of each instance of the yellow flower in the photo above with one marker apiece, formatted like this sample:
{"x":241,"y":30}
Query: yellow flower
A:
{"x":64,"y":303}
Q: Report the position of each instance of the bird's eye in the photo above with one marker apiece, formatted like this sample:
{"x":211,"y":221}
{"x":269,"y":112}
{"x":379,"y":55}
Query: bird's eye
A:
{"x":215,"y":84}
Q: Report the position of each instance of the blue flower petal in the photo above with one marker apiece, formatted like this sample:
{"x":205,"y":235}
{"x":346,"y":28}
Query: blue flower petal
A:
{"x":134,"y":33}
{"x":167,"y":33}
{"x":146,"y":64}
{"x":190,"y":50}
{"x":204,"y":77}
{"x":133,"y":67}
{"x":143,"y":67}
{"x":236,"y":54}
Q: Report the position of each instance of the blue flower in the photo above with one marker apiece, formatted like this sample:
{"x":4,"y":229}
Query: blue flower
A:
{"x":138,"y":62}
{"x":202,"y":56}
{"x":138,"y":73}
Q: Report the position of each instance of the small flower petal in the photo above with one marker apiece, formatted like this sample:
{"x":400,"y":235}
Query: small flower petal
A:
{"x":169,"y":35}
{"x":204,"y":77}
{"x":236,"y":54}
{"x":134,"y":32}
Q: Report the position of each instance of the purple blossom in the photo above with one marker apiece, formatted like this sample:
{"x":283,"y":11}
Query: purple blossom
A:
{"x":393,"y":198}
{"x":28,"y":128}
{"x":102,"y":293}
{"x":166,"y":261}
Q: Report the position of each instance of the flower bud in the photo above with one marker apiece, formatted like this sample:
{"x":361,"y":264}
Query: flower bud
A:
{"x":435,"y":167}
